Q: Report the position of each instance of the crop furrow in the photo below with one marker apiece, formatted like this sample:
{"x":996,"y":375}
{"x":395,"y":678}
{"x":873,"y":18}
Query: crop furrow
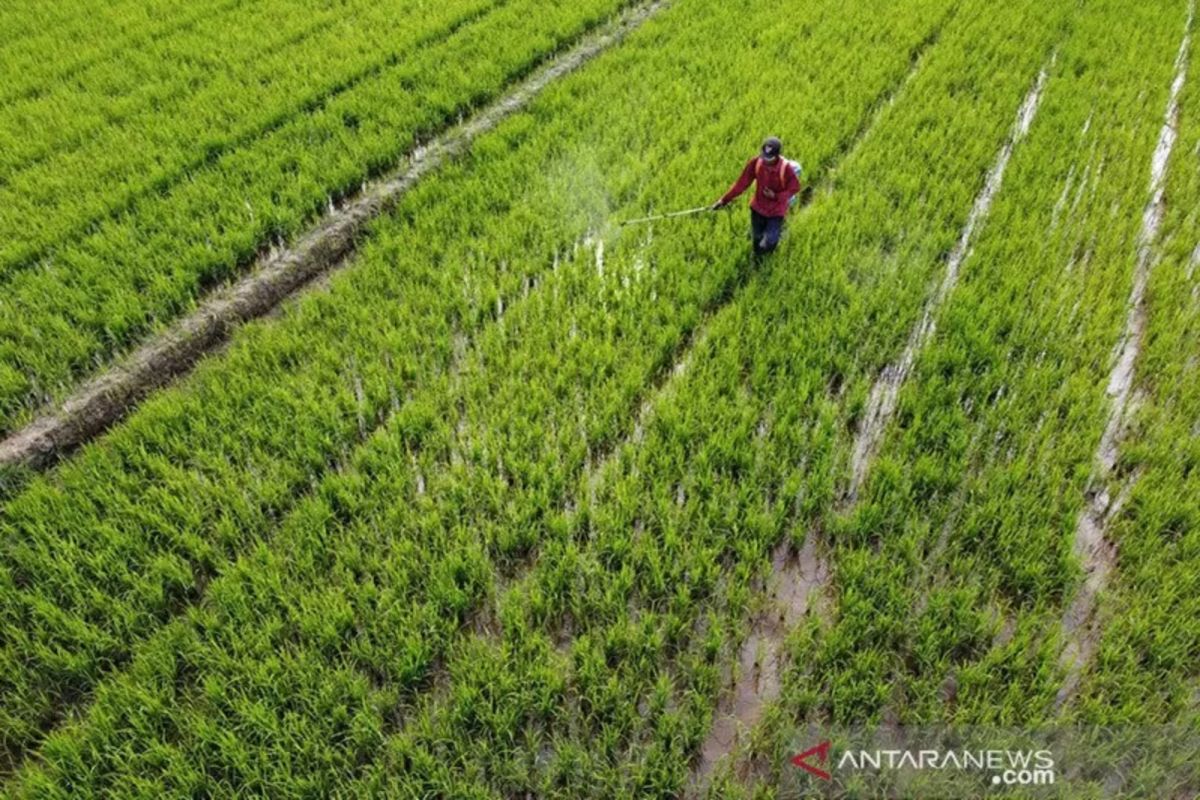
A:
{"x":107,"y":398}
{"x":881,"y":403}
{"x":1091,"y":545}
{"x":798,"y":583}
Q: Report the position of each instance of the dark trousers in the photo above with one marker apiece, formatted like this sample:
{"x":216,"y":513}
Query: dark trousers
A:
{"x":764,"y":231}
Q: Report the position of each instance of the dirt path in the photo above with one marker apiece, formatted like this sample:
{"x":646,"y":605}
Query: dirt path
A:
{"x":107,"y":398}
{"x":1079,"y":628}
{"x":881,"y":403}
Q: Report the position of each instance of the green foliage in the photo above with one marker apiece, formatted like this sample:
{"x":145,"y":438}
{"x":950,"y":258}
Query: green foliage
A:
{"x":145,"y":217}
{"x":454,"y":526}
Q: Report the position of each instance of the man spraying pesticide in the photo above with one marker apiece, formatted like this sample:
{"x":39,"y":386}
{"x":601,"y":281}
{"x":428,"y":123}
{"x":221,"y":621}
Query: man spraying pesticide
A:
{"x":777,"y":183}
{"x":778,"y":188}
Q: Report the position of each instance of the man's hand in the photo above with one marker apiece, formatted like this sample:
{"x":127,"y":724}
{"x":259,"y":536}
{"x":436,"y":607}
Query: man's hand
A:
{"x":768,"y":193}
{"x":717,"y":206}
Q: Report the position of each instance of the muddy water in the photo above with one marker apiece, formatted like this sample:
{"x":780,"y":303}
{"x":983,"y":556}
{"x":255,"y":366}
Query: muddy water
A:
{"x":1096,"y":553}
{"x":797,"y":581}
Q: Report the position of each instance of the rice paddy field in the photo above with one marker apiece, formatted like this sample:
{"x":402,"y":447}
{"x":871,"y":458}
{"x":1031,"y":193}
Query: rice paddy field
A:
{"x":352,"y":446}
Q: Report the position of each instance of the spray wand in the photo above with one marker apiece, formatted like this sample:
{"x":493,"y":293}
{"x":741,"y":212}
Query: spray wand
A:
{"x":700,"y":210}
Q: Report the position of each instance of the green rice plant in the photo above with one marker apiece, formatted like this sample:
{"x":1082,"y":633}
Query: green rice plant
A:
{"x":155,"y":134}
{"x":1145,"y":670}
{"x":40,"y":45}
{"x":680,"y":500}
{"x":140,"y":270}
{"x":173,"y":77}
{"x":605,"y":703}
{"x":404,"y":540}
{"x":479,"y":496}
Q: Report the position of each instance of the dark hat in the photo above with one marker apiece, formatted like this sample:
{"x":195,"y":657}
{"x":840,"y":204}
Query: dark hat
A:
{"x":772,"y":146}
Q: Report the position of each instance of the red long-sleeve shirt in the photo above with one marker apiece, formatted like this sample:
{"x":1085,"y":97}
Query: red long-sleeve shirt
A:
{"x":777,"y":177}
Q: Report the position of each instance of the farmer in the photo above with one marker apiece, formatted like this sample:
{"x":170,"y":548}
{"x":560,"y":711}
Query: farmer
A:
{"x":777,"y":184}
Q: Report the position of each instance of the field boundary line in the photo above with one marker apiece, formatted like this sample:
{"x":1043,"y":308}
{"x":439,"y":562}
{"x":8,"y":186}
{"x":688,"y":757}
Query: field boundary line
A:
{"x":108,"y":397}
{"x":1080,"y":627}
{"x":881,"y":403}
{"x":796,"y":585}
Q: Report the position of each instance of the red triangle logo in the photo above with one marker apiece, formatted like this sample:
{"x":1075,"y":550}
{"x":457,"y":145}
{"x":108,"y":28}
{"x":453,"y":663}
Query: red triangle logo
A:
{"x":821,"y":751}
